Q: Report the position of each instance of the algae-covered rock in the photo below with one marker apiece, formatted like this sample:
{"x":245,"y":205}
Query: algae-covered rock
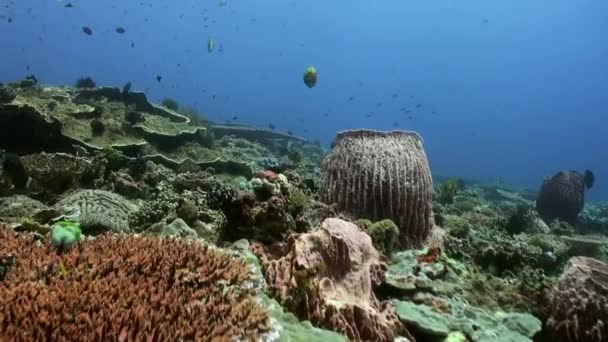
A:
{"x":477,"y":324}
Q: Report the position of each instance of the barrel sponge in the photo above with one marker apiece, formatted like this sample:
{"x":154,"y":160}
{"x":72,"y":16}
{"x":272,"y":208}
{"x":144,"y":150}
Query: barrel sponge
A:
{"x":562,"y":196}
{"x":382,"y":175}
{"x":579,"y":302}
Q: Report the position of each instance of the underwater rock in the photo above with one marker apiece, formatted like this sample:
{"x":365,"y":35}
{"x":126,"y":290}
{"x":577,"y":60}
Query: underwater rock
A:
{"x":123,"y":184}
{"x":89,"y":292}
{"x":328,"y":277}
{"x":95,"y":210}
{"x":579,"y":302}
{"x":395,"y":184}
{"x":562,"y":196}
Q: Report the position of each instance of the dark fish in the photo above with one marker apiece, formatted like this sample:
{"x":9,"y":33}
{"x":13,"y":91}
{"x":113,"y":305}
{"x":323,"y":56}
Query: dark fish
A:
{"x":379,"y":104}
{"x":159,"y":78}
{"x":485,"y":21}
{"x":272,"y":127}
{"x":68,"y":5}
{"x":395,"y":124}
{"x":213,"y":96}
{"x":234,"y":118}
{"x":87,"y":30}
{"x":351,"y":98}
{"x":120,"y":30}
{"x":126,"y":88}
{"x":395,"y":95}
{"x":290,"y":132}
{"x":418,"y":105}
{"x":325,"y":114}
{"x":10,"y":20}
{"x":132,"y":45}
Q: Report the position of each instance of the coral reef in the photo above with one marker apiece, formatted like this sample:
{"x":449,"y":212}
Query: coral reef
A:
{"x":54,"y":172}
{"x":7,"y":95}
{"x":562,"y":196}
{"x":395,"y":184}
{"x":126,"y":287}
{"x":328,"y":277}
{"x":579,"y":302}
{"x":95,"y":210}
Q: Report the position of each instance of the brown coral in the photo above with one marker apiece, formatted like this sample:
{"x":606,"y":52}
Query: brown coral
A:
{"x":562,"y":196}
{"x":328,"y":277}
{"x":55,"y":172}
{"x":125,"y":288}
{"x":379,"y":175}
{"x":579,"y":302}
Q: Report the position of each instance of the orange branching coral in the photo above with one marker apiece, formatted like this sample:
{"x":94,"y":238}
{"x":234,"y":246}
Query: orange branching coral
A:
{"x":125,"y":288}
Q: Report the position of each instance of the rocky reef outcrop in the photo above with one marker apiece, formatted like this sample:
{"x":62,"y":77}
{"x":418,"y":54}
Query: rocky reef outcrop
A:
{"x":328,"y":277}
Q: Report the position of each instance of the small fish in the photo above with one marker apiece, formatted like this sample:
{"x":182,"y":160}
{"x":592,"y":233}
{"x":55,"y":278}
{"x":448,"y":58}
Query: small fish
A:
{"x":63,"y":269}
{"x":87,"y":30}
{"x":120,"y":30}
{"x":395,"y":124}
{"x":132,"y":45}
{"x":10,"y":20}
{"x":290,"y":132}
{"x":351,"y":98}
{"x":272,"y":127}
{"x":395,"y":95}
{"x":418,"y":105}
{"x":159,"y":78}
{"x":485,"y":21}
{"x":68,"y":5}
{"x":210,"y":45}
{"x":234,"y":118}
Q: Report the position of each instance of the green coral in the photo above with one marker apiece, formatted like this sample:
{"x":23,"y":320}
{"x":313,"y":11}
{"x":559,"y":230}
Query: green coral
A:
{"x":448,"y":190}
{"x":383,"y":233}
{"x":477,"y":324}
{"x":65,"y":234}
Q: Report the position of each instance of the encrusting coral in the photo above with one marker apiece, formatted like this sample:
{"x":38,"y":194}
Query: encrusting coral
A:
{"x":328,"y":277}
{"x":125,"y":288}
{"x":394,"y":184}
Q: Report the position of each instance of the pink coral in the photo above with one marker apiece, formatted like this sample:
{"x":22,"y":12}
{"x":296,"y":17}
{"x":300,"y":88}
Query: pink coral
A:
{"x":328,"y":277}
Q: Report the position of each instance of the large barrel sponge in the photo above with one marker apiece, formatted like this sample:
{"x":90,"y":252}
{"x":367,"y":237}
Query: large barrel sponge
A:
{"x":378,"y":175}
{"x":562,"y":196}
{"x":579,"y":302}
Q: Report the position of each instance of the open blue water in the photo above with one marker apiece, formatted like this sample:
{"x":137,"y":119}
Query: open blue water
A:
{"x":506,"y":89}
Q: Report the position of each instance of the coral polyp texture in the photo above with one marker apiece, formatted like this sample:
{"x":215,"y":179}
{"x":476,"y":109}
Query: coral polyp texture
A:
{"x":579,"y":302}
{"x":125,"y":288}
{"x":382,"y":175}
{"x":562,"y":196}
{"x":328,"y":277}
